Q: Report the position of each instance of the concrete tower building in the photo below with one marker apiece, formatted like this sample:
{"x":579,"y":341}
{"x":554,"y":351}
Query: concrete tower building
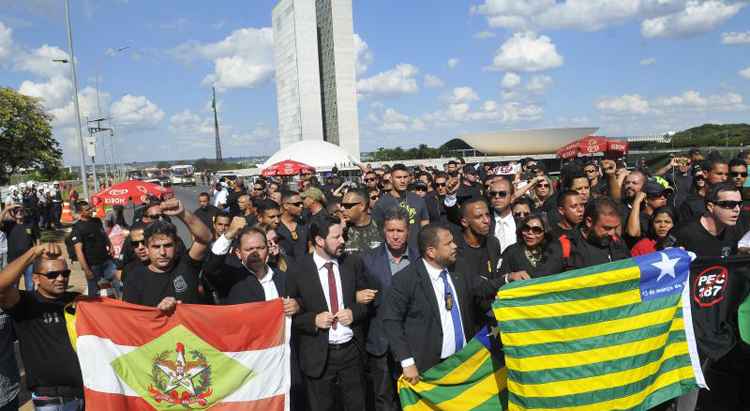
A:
{"x":315,"y":72}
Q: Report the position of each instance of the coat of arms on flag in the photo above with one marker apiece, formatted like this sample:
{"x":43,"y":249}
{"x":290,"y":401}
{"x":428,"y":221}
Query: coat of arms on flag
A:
{"x":200,"y":357}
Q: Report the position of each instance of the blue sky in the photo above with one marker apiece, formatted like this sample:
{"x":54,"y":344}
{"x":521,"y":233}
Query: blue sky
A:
{"x":427,"y":71}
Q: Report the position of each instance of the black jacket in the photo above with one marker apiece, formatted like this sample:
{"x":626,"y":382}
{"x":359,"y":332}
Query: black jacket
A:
{"x":235,"y":283}
{"x":304,"y":285}
{"x":412,"y":320}
{"x":293,"y":248}
{"x":586,"y":254}
{"x":514,"y":259}
{"x":691,"y":209}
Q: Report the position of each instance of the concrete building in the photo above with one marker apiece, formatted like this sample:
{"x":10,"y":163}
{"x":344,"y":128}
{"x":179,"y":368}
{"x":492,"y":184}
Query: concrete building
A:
{"x":315,"y":72}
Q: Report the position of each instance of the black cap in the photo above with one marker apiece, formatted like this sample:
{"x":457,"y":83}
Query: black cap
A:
{"x":469,"y":169}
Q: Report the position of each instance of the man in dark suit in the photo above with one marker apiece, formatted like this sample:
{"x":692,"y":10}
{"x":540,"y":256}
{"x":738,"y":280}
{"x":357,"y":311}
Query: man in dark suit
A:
{"x":430,"y":307}
{"x":381,"y":264}
{"x":329,"y":321}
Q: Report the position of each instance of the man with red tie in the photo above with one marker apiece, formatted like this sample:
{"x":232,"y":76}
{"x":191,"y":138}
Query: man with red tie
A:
{"x":328,"y":324}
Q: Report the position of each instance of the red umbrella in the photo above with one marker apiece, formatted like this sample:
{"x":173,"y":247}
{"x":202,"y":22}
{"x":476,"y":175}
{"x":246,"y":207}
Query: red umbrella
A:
{"x":286,"y":168}
{"x":135,"y":190}
{"x":592,"y":145}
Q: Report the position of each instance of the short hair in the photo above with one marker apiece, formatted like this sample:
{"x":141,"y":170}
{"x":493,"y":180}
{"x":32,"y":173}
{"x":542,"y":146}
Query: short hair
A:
{"x":321,"y":226}
{"x":287,"y":194}
{"x":36,"y":266}
{"x":440,"y":174}
{"x":505,"y":179}
{"x":428,"y":236}
{"x":716,"y":161}
{"x":82,"y":203}
{"x":265,"y":205}
{"x":139,"y":225}
{"x":737,"y":162}
{"x":361,"y":193}
{"x":396,"y":214}
{"x":428,"y":175}
{"x":332,"y":203}
{"x":222,"y":214}
{"x":713,"y":192}
{"x":472,"y":200}
{"x":261,"y":183}
{"x":599,"y":207}
{"x":399,"y":167}
{"x":573,"y":175}
{"x":564,"y":194}
{"x":523,"y":201}
{"x":203,"y":194}
{"x":248,"y":230}
{"x":160,"y":227}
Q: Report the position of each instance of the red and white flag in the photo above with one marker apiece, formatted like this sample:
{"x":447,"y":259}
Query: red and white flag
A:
{"x":219,"y":357}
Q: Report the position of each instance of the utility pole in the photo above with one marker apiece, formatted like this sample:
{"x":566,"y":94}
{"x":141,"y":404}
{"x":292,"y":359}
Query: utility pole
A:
{"x":93,"y":130}
{"x":216,"y":126}
{"x":75,"y":101}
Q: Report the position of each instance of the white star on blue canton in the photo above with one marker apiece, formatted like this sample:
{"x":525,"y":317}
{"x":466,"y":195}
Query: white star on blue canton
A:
{"x":666,"y":266}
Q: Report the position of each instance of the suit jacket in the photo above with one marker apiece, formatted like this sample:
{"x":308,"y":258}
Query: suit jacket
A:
{"x":304,"y":285}
{"x":378,"y":275}
{"x":235,"y":283}
{"x":412,"y":318}
{"x":293,"y":248}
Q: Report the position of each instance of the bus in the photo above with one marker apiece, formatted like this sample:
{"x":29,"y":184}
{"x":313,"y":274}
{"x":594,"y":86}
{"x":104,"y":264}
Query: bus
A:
{"x":182,"y":175}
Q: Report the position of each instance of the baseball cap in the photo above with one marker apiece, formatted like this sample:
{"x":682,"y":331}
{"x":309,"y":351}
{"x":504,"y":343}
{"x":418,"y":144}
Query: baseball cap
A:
{"x":652,"y":188}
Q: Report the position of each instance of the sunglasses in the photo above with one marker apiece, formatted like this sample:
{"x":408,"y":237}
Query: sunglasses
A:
{"x":737,"y":174}
{"x":155,"y":216}
{"x":137,"y":243}
{"x":521,"y":215}
{"x":536,"y":230}
{"x":543,"y":185}
{"x":501,"y":194}
{"x":51,"y":275}
{"x":370,"y":179}
{"x":441,"y":184}
{"x":348,"y":206}
{"x":257,"y":188}
{"x":297,"y":204}
{"x":728,"y":204}
{"x":420,"y":189}
{"x":374,"y":197}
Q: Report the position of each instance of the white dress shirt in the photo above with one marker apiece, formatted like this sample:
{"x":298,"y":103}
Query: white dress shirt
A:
{"x":221,"y":198}
{"x":446,"y":320}
{"x":221,"y":247}
{"x":505,"y":230}
{"x":342,"y":333}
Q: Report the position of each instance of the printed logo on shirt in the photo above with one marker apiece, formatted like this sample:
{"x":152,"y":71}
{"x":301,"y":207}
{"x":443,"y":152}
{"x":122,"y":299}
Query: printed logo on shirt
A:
{"x":410,"y":210}
{"x":710,"y":286}
{"x":51,"y":318}
{"x":180,"y":285}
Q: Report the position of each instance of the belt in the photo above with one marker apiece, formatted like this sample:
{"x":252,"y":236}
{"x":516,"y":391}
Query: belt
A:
{"x":340,"y":346}
{"x":60,"y":391}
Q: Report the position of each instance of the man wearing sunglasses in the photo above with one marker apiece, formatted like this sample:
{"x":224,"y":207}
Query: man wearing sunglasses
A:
{"x":292,"y":233}
{"x":362,"y":233}
{"x":134,"y":251}
{"x":52,"y":372}
{"x":716,"y":232}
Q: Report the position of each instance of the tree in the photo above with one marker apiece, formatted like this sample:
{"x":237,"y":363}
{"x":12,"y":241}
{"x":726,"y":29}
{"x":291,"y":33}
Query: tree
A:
{"x":163,"y":164}
{"x":26,"y":141}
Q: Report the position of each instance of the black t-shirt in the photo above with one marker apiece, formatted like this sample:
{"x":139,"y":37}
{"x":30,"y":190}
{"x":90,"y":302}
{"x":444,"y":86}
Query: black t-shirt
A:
{"x":146,"y":287}
{"x":207,"y":214}
{"x":694,"y":237}
{"x":90,"y":234}
{"x":21,"y":238}
{"x":128,"y":267}
{"x":415,"y":208}
{"x":45,"y":346}
{"x":478,"y":260}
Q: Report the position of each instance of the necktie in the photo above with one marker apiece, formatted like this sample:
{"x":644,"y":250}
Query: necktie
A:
{"x":458,"y":329}
{"x":332,"y":293}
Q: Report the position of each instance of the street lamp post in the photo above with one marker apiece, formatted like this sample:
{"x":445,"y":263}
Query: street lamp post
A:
{"x":113,"y":165}
{"x":75,"y":101}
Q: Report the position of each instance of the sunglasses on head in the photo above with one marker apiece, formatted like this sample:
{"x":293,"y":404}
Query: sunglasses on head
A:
{"x":51,"y":275}
{"x":728,"y":204}
{"x":501,"y":194}
{"x":532,"y":229}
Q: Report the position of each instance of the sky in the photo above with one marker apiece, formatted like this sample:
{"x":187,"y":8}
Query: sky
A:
{"x":427,"y":71}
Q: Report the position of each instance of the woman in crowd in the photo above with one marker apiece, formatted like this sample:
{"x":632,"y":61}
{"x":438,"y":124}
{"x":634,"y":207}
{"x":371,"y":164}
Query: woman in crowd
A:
{"x":659,"y":235}
{"x":535,"y":252}
{"x":276,"y":257}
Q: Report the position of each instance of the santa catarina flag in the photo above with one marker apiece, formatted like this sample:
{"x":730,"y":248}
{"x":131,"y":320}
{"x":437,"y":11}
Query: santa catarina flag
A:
{"x":201,"y":357}
{"x":472,"y":379}
{"x":616,"y":336}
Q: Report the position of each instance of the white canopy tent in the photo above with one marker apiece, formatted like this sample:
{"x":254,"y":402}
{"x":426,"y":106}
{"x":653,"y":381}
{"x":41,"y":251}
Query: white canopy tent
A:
{"x":319,"y":154}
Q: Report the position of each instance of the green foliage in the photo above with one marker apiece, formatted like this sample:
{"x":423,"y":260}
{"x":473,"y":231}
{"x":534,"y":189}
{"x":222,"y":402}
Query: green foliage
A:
{"x":163,"y":164}
{"x":26,"y":141}
{"x":707,"y":135}
{"x":204,"y":164}
{"x":398,"y":153}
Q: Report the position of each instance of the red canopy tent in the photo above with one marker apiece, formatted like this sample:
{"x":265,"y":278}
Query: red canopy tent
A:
{"x":286,"y":168}
{"x":591,"y":145}
{"x":135,"y":190}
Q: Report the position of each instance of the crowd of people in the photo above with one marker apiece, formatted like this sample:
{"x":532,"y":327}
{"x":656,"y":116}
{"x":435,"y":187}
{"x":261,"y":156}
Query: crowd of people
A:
{"x":383,"y":275}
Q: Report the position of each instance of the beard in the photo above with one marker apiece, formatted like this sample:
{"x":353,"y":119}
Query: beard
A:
{"x":254,"y":262}
{"x":599,"y":241}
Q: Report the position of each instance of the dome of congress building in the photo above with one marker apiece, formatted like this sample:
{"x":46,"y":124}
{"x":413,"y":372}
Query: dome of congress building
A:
{"x":316,"y":153}
{"x":520,"y":142}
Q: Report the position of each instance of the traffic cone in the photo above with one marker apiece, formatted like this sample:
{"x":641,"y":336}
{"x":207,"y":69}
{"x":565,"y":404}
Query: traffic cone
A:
{"x":67,"y":214}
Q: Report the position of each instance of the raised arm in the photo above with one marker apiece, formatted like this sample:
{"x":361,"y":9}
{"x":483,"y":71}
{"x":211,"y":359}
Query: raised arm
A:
{"x":201,"y":234}
{"x":9,"y":277}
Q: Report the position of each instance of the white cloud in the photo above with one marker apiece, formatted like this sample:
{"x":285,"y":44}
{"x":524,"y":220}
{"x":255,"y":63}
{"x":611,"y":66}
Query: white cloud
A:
{"x":396,"y":81}
{"x":539,"y":83}
{"x":648,"y":61}
{"x":484,"y":35}
{"x":527,"y":51}
{"x":54,"y":93}
{"x":39,"y":61}
{"x":453,"y":62}
{"x":390,"y":120}
{"x":244,"y":59}
{"x":626,"y":104}
{"x":745,"y":73}
{"x":431,"y":81}
{"x":136,"y":112}
{"x":6,"y":40}
{"x":510,"y":80}
{"x":461,"y":95}
{"x":735,"y":38}
{"x":363,"y":55}
{"x":697,"y":17}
